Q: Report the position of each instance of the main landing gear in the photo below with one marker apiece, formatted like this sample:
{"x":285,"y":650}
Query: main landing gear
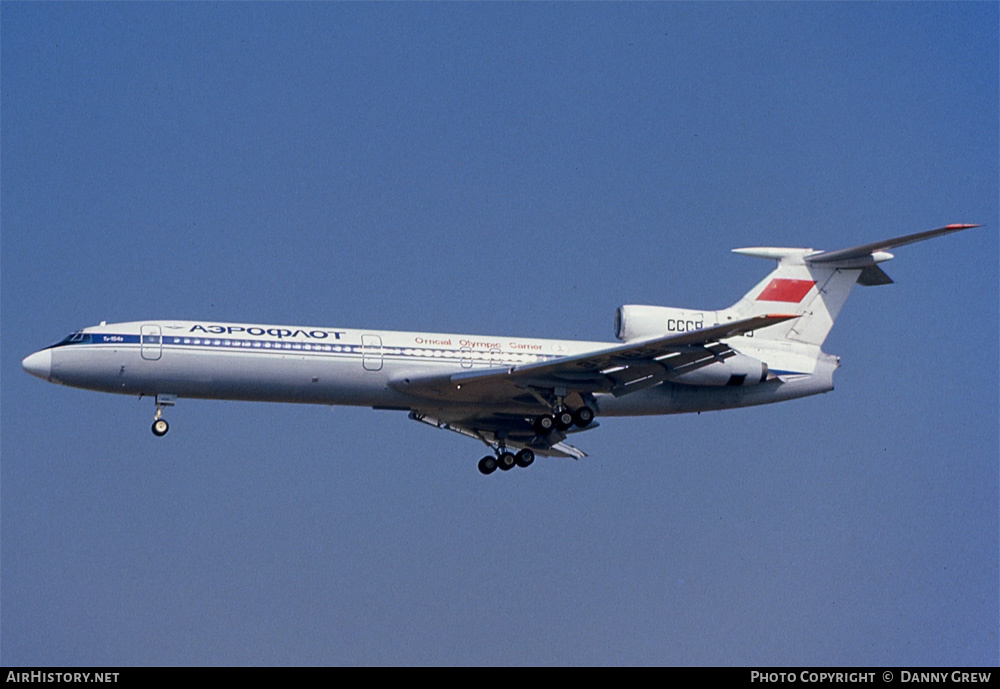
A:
{"x":505,"y":461}
{"x":160,"y":425}
{"x":563,"y":419}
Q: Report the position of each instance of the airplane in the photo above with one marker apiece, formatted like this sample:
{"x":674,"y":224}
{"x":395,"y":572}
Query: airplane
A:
{"x":519,"y":396}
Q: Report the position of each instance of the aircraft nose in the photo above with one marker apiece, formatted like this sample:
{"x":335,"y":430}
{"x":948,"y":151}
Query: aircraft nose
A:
{"x":39,"y":364}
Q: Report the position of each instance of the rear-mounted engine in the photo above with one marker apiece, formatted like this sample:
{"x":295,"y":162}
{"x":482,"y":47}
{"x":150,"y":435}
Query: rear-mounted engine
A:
{"x":736,"y":370}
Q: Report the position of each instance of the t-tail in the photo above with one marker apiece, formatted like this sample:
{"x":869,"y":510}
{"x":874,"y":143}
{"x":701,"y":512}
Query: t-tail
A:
{"x":804,"y":293}
{"x":814,"y":285}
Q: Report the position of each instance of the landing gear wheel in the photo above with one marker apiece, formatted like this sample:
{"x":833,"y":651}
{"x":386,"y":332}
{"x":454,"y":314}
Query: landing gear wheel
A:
{"x":160,"y":428}
{"x":544,"y":424}
{"x":583,"y":416}
{"x":524,"y":458}
{"x":506,"y":461}
{"x":487,"y":465}
{"x":564,"y":419}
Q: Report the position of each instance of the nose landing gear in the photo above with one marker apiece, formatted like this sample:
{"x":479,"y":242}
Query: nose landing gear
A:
{"x":160,"y":425}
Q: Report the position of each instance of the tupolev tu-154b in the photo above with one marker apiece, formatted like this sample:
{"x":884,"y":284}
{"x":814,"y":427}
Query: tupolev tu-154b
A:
{"x":520,"y":396}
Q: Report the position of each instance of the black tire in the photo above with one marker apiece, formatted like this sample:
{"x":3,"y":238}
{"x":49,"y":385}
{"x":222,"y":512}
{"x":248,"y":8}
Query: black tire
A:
{"x":524,"y":458}
{"x":564,"y":419}
{"x":487,"y":465}
{"x":544,"y":424}
{"x":583,"y":416}
{"x":506,"y":461}
{"x":160,"y":428}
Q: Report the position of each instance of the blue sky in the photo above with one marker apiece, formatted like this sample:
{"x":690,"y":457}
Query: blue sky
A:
{"x":514,"y":169}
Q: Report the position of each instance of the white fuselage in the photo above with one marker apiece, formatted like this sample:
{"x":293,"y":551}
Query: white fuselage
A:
{"x":343,"y":366}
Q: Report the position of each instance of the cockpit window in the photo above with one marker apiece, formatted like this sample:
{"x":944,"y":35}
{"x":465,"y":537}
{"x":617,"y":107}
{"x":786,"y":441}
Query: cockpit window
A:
{"x":79,"y":337}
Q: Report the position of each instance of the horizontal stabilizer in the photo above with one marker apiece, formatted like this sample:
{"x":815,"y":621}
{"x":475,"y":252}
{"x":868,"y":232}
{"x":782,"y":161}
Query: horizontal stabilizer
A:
{"x":866,"y":250}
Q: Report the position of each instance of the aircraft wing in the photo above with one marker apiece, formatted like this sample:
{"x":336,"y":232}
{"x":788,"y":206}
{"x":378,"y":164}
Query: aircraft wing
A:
{"x":464,"y":402}
{"x":618,"y":370}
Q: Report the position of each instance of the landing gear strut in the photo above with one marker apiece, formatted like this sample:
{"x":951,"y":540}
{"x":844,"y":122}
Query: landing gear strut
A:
{"x":160,"y":425}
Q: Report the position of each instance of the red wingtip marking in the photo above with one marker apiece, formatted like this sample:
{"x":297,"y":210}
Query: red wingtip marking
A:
{"x":960,"y":227}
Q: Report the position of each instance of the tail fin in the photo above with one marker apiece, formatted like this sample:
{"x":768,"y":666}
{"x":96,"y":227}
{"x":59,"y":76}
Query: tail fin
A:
{"x":815,"y":284}
{"x":814,"y":293}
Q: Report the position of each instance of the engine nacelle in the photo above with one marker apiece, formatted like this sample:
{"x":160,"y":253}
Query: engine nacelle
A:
{"x":635,"y":322}
{"x":735,"y":371}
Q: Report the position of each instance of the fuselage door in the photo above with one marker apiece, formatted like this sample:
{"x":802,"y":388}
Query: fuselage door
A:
{"x":371,"y":352}
{"x":150,"y":342}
